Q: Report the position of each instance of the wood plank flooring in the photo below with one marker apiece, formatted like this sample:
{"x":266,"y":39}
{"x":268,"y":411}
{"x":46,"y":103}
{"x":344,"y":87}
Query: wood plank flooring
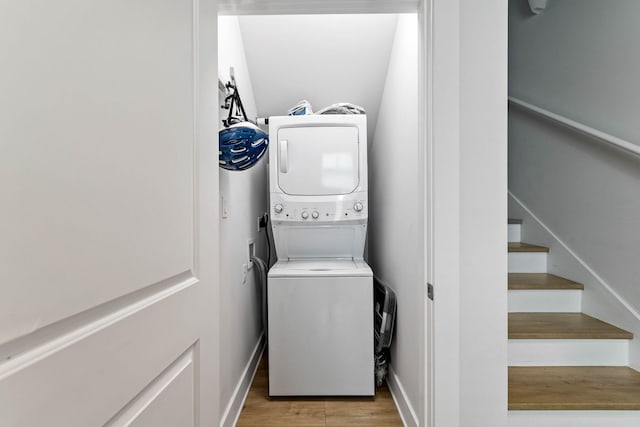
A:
{"x":562,"y":326}
{"x":574,"y":388}
{"x":526,"y":247}
{"x":540,"y":281}
{"x":260,"y":410}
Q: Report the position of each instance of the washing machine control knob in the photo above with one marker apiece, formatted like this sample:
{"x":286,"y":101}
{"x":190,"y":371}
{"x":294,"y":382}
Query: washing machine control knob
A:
{"x":305,"y":215}
{"x":315,"y":214}
{"x":357,"y":206}
{"x":278,"y":208}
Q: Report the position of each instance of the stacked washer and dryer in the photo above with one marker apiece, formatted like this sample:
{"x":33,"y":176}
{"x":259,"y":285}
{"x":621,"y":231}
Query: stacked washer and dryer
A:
{"x":320,"y":293}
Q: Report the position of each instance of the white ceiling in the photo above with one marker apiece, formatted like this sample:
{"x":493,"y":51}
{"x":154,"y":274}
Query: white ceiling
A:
{"x":321,"y":58}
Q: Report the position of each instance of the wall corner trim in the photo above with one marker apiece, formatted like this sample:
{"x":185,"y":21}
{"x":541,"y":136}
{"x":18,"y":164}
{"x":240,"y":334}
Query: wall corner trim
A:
{"x":236,"y":402}
{"x":400,"y":398}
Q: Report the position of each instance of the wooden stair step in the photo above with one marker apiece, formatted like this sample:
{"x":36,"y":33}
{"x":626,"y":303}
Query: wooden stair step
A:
{"x":574,"y":388}
{"x":514,"y":221}
{"x":562,"y":326}
{"x":526,"y":247}
{"x":541,"y":281}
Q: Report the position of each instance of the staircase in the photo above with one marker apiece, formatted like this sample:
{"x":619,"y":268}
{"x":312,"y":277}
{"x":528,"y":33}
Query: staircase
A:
{"x":565,"y":368}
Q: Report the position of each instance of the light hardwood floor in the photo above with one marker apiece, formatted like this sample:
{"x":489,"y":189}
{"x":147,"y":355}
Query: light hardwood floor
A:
{"x":259,"y":410}
{"x":526,"y":247}
{"x":562,"y":326}
{"x":541,"y":281}
{"x":574,"y":388}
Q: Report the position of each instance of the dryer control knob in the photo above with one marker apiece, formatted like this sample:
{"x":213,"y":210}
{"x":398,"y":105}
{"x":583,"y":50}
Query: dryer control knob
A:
{"x":315,"y":214}
{"x":357,"y":206}
{"x":278,"y":208}
{"x":305,"y":215}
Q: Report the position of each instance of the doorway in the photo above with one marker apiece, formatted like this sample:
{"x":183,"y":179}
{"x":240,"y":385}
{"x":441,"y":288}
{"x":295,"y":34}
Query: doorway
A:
{"x":411,"y":388}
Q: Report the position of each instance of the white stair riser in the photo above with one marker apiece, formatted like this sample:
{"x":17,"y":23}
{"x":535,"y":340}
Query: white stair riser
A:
{"x":568,"y":352}
{"x":573,"y":418}
{"x":527,"y":262}
{"x":552,"y":300}
{"x":514,"y":232}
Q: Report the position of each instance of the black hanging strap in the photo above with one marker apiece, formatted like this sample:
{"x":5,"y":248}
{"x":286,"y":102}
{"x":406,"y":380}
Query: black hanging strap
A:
{"x":232,"y":101}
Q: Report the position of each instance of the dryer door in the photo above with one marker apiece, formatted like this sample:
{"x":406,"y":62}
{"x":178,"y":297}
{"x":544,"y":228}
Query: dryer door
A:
{"x":318,"y":161}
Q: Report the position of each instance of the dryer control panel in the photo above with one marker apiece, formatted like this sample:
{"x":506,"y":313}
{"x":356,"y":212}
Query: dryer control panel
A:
{"x":316,"y":211}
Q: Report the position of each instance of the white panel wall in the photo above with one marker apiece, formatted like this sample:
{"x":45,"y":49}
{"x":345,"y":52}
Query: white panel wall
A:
{"x":579,"y":59}
{"x":243,"y":200}
{"x":395,"y":247}
{"x":483,"y":213}
{"x":73,"y":137}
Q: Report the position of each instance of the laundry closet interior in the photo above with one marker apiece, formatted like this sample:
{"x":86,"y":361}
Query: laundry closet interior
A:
{"x":371,"y":60}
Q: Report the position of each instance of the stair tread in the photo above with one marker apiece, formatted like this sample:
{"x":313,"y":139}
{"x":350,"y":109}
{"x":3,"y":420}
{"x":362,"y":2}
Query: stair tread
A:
{"x":514,"y":221}
{"x":562,"y":326}
{"x":574,"y":388}
{"x":541,"y":281}
{"x":526,"y":247}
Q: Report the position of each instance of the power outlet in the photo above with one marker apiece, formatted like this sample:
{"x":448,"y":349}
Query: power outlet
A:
{"x":251,"y":246}
{"x":224,"y":212}
{"x":263,"y":220}
{"x":245,"y":270}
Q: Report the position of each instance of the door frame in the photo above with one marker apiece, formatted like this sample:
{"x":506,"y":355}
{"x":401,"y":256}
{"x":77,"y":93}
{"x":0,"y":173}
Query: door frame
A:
{"x":440,"y":394}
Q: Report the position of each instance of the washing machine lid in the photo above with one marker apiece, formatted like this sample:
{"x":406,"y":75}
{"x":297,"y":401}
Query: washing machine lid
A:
{"x":321,"y":267}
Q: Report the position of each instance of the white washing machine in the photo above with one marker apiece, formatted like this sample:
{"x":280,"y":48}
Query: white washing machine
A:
{"x":320,"y":292}
{"x":320,"y":329}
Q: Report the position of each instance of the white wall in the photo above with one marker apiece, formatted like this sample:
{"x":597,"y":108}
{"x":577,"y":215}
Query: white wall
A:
{"x":443,"y":41}
{"x":394,"y":244}
{"x":579,"y":59}
{"x":232,"y":53}
{"x":243,"y":199}
{"x":322,"y":58}
{"x":468,"y":212}
{"x":483,"y":213}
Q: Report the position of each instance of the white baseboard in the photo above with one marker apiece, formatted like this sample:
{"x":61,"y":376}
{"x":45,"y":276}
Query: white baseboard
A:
{"x":234,"y":407}
{"x":400,"y":398}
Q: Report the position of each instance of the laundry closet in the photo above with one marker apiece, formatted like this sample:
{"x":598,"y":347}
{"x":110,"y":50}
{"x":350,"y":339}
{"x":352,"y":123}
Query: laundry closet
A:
{"x":370,"y":60}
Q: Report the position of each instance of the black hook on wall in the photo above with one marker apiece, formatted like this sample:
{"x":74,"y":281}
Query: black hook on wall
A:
{"x":232,"y":101}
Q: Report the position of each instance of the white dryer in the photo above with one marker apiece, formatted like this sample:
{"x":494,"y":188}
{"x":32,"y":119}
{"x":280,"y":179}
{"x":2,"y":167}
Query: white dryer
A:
{"x":320,"y":292}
